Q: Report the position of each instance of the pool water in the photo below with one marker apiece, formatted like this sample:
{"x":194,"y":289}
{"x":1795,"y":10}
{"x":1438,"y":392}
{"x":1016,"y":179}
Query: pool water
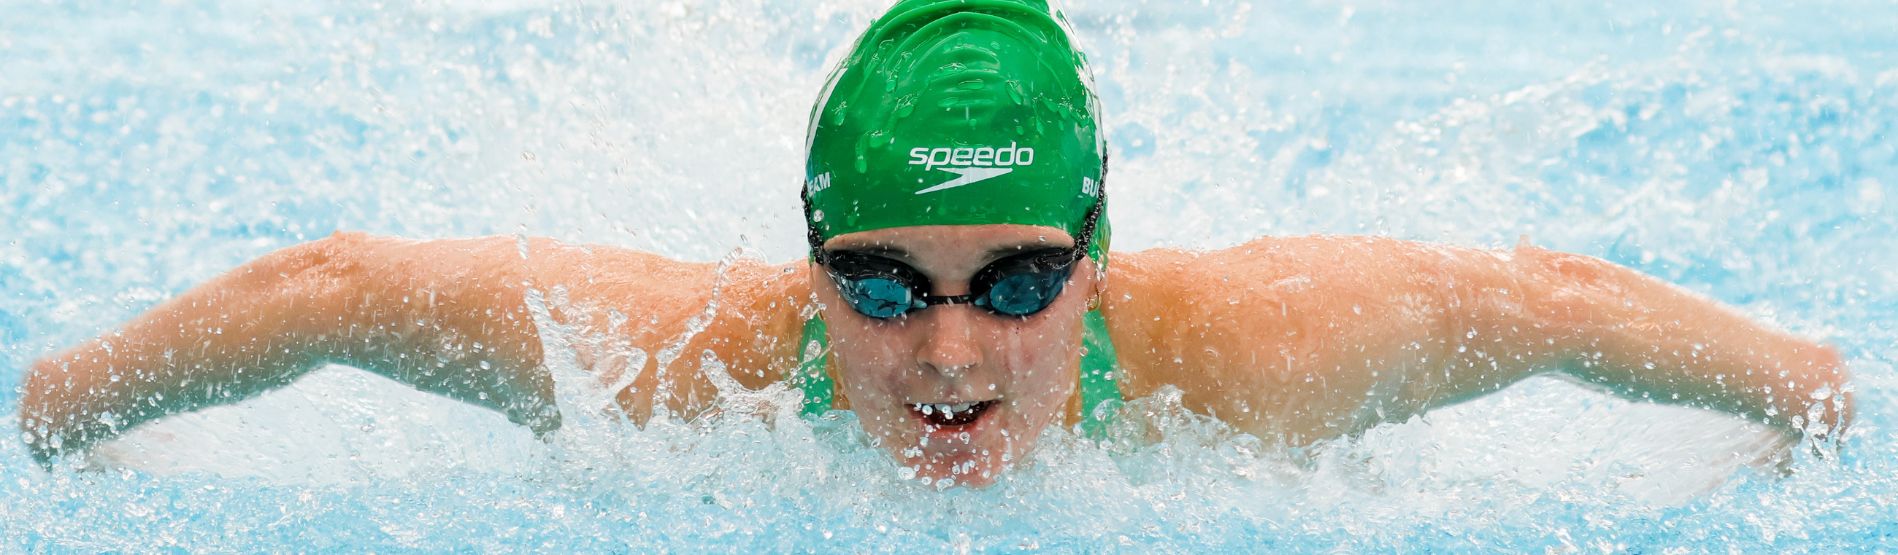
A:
{"x":1745,"y":150}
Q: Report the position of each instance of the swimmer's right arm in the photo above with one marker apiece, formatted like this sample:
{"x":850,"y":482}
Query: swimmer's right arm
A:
{"x":431,"y":321}
{"x":448,"y":317}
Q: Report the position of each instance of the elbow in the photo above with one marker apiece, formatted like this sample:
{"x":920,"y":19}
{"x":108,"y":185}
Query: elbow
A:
{"x":336,"y":257}
{"x":1570,"y":303}
{"x":310,"y":293}
{"x":319,"y":275}
{"x":1561,"y":287}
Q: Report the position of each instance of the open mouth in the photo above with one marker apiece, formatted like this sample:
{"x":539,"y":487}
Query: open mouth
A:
{"x":945,"y":415}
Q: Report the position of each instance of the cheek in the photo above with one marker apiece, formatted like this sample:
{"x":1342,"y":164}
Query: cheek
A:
{"x":855,"y":342}
{"x":868,"y":355}
{"x":1035,"y":356}
{"x":1042,"y":357}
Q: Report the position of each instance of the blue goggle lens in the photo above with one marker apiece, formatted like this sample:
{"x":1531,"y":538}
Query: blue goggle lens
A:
{"x":883,"y":288}
{"x":877,"y":297}
{"x":1023,"y":293}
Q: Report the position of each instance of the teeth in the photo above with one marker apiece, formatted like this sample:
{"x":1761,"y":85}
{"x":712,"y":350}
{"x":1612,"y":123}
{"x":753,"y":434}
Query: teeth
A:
{"x":947,"y":409}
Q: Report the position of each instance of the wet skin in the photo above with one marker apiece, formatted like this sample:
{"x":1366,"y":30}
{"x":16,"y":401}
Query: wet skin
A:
{"x":1294,"y":339}
{"x":1027,"y":367}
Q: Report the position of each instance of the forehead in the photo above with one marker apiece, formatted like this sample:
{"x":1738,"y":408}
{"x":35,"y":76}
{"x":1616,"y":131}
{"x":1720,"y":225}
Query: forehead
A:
{"x":953,"y":241}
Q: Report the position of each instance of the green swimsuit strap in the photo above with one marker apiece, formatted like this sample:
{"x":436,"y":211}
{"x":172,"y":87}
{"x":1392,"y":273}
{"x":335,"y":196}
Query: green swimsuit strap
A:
{"x":1100,"y":394}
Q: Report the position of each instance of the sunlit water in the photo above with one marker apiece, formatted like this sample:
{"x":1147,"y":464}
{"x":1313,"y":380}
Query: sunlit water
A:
{"x":1747,"y":150}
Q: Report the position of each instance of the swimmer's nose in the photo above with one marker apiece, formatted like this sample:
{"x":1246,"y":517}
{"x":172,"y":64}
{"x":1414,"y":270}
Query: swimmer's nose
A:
{"x":948,"y":343}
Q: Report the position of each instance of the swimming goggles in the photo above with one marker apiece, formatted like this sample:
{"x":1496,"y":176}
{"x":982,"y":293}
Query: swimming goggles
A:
{"x":883,"y":288}
{"x":1017,"y":285}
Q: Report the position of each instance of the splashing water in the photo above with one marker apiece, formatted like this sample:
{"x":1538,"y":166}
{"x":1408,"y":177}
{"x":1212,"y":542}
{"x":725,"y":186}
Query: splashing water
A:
{"x":1744,"y":150}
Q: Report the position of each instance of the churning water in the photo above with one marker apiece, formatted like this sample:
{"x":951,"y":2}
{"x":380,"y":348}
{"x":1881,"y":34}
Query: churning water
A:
{"x":1747,"y":150}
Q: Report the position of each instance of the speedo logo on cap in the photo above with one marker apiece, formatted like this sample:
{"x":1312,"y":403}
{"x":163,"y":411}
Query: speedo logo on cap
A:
{"x":971,"y":165}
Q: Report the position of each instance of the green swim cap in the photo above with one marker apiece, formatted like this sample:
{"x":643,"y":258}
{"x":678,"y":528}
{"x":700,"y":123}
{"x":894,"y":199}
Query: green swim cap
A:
{"x":957,"y":112}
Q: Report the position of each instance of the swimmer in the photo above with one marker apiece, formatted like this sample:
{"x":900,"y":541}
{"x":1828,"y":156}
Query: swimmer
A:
{"x":959,"y":297}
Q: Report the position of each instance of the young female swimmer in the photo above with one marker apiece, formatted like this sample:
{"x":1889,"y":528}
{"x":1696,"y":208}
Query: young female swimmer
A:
{"x":958,"y":297}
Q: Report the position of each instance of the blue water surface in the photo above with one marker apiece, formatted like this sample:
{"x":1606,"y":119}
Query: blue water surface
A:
{"x":1745,"y":150}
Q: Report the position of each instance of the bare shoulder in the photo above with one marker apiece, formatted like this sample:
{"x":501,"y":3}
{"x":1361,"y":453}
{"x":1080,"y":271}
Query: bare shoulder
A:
{"x":1271,"y":287}
{"x":744,"y":312}
{"x":647,"y":299}
{"x":608,"y":273}
{"x":1281,"y":335}
{"x":1299,"y":255}
{"x":741,"y":287}
{"x":1310,"y":270}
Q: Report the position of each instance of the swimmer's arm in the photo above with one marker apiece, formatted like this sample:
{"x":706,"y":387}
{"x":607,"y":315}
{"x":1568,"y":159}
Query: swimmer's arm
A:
{"x":1509,"y":315}
{"x":435,"y":315}
{"x":1307,"y":338}
{"x":1299,"y":338}
{"x":1646,"y":339}
{"x":449,"y":317}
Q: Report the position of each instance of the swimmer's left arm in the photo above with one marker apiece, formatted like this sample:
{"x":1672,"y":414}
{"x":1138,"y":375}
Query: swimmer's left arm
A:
{"x":1650,"y":340}
{"x":1313,"y":337}
{"x":1503,"y":316}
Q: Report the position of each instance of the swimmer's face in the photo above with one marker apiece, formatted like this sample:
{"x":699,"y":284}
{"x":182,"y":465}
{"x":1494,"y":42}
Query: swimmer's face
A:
{"x":896,"y":374}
